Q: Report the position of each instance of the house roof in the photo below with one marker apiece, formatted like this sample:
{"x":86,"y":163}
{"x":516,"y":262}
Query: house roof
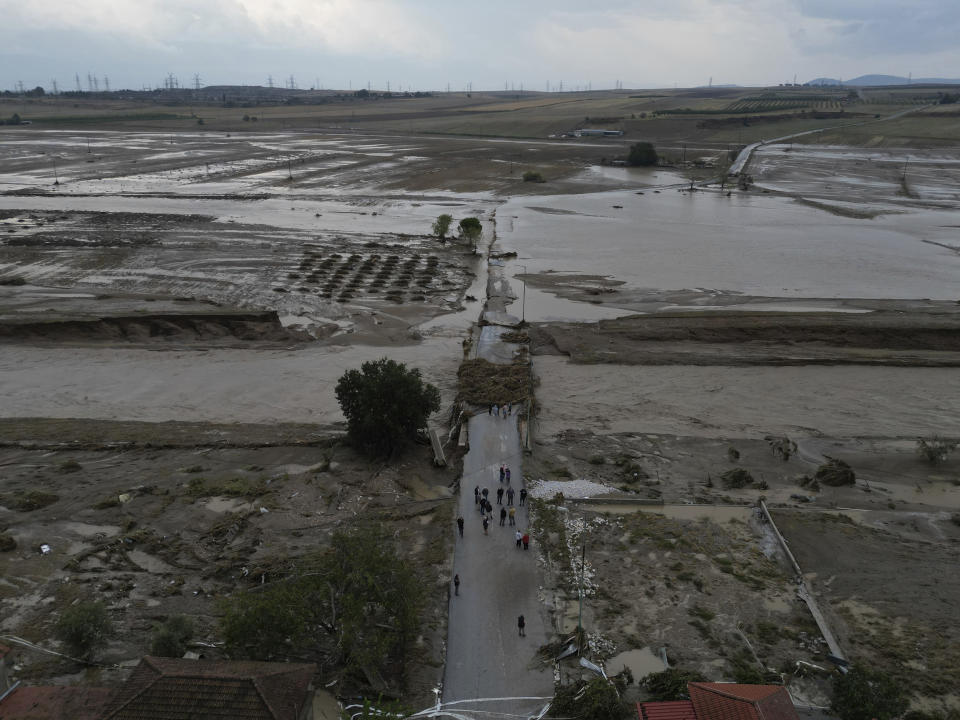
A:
{"x":177,"y":689}
{"x":733,"y":701}
{"x":667,"y":710}
{"x":54,"y":702}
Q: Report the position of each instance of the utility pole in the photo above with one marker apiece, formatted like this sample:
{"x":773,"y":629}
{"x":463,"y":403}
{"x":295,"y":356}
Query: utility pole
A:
{"x":54,"y":84}
{"x":106,"y":83}
{"x":269,"y":81}
{"x":56,"y":177}
{"x":583,"y":564}
{"x":196,"y":81}
{"x":76,"y":76}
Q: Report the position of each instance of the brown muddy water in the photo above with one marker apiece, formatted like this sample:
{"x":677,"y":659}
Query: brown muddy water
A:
{"x":753,"y":244}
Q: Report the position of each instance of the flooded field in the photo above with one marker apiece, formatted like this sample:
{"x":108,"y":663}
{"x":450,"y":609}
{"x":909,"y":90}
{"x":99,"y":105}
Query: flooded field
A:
{"x":711,"y":246}
{"x":203,"y":278}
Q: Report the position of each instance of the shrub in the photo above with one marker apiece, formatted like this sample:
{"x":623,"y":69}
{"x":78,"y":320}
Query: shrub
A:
{"x":935,"y":449}
{"x":835,"y":473}
{"x":641,"y":154}
{"x":533,"y":176}
{"x":7,"y":543}
{"x":736,"y":478}
{"x":170,"y":639}
{"x":84,"y":628}
{"x":29,"y":500}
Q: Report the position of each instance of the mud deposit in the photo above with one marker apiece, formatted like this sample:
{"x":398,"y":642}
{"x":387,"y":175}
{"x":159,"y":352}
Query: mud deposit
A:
{"x":174,"y":517}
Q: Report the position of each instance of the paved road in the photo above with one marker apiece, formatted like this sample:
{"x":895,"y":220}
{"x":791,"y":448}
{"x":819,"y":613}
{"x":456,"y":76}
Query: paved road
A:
{"x":744,"y":157}
{"x":486,"y":658}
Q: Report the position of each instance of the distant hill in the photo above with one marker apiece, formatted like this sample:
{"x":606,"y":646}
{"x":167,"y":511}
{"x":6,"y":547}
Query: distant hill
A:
{"x":878,"y":80}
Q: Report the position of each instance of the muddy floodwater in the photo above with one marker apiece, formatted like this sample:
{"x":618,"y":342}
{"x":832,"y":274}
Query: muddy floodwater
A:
{"x":753,"y":245}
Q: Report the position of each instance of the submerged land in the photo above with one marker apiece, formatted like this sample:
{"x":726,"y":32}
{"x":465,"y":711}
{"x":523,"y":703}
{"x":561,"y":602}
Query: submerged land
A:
{"x":178,"y":299}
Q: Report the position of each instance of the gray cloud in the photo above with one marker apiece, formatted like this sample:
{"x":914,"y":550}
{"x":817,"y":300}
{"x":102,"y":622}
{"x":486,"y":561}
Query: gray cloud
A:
{"x":427,"y":43}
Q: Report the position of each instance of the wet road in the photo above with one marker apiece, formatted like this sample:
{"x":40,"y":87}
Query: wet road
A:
{"x":486,"y":658}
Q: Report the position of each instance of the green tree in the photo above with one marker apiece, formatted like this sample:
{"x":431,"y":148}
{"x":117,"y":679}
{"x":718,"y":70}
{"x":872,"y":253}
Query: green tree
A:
{"x":642,"y":153}
{"x":670,"y":684}
{"x":442,"y":225}
{"x":470,"y":230}
{"x":385,"y":405}
{"x":594,"y":700}
{"x":865,"y":694}
{"x":170,"y":639}
{"x":359,"y":595}
{"x":267,"y":624}
{"x":84,"y":628}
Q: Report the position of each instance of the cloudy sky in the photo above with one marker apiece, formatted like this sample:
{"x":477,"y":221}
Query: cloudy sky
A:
{"x":426,"y":44}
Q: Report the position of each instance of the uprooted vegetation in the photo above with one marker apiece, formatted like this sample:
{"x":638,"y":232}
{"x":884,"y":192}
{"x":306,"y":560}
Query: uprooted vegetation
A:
{"x":835,"y":472}
{"x":482,"y":382}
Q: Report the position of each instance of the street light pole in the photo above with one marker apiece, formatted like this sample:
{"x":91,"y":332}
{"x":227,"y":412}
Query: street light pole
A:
{"x":523,"y":303}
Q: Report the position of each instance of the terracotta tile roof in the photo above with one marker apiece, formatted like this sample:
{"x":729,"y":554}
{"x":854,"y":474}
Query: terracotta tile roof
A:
{"x":54,"y":703}
{"x":732,"y":701}
{"x":666,"y":710}
{"x":176,"y":689}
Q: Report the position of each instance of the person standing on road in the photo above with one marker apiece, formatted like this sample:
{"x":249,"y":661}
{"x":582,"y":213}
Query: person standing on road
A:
{"x":485,"y":493}
{"x":513,"y":515}
{"x":501,"y":472}
{"x":503,"y":516}
{"x":509,"y":496}
{"x":523,"y":496}
{"x":521,"y":624}
{"x":500,"y":496}
{"x":486,"y":524}
{"x":519,"y":538}
{"x":526,"y":540}
{"x":507,"y":475}
{"x":456,"y":584}
{"x":496,"y":411}
{"x":510,"y":408}
{"x":476,"y":495}
{"x":460,"y":524}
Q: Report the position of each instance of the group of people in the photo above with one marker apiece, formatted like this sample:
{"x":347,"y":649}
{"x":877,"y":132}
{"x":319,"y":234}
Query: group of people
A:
{"x":508,"y":511}
{"x":498,"y":410}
